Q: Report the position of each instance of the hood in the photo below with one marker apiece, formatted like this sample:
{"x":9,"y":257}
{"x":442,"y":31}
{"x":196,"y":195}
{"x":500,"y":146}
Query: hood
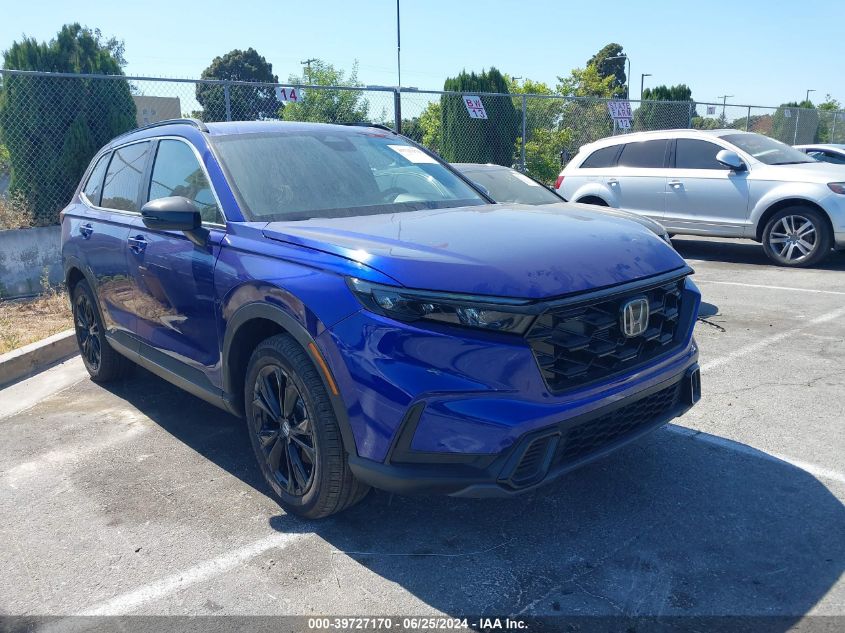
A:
{"x":815,"y":172}
{"x":502,"y":250}
{"x":651,"y":225}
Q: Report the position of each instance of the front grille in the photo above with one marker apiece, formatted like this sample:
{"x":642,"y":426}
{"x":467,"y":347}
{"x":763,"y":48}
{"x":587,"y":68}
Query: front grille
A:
{"x":593,"y":435}
{"x":579,"y":342}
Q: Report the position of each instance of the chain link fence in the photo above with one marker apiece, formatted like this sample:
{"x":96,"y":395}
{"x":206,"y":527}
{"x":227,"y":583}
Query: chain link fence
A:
{"x":51,"y":124}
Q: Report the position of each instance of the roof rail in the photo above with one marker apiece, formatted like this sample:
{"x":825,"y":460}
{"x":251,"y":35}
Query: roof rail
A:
{"x":201,"y":126}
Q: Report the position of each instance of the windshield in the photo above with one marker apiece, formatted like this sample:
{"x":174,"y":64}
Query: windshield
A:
{"x":305,"y":174}
{"x":508,"y":185}
{"x":768,"y":150}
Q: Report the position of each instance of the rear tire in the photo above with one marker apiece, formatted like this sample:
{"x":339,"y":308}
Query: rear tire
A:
{"x":294,"y":432}
{"x":797,"y":236}
{"x":597,"y":202}
{"x":102,"y":362}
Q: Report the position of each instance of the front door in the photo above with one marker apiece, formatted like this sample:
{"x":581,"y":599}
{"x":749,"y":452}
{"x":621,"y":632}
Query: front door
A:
{"x":173,"y":278}
{"x":704,"y":196}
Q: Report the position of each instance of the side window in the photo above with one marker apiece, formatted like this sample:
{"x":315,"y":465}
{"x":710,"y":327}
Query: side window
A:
{"x":124,"y":176}
{"x":649,"y":154}
{"x":604,"y":157}
{"x":176,"y":172}
{"x":94,"y":187}
{"x":830,"y":157}
{"x":694,"y":154}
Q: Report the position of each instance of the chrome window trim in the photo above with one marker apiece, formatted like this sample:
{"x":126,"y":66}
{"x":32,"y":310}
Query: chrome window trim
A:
{"x":151,"y":139}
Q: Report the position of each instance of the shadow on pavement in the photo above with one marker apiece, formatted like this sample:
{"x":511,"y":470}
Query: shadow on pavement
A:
{"x":741,"y":252}
{"x":668,"y":526}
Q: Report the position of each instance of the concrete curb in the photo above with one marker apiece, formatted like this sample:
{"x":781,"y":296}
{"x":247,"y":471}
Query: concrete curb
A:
{"x":35,"y":357}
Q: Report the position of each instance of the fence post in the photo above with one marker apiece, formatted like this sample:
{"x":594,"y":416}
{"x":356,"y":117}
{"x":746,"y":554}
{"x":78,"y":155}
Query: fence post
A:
{"x":397,"y":109}
{"x":748,"y":118}
{"x":797,"y":119}
{"x":524,"y":131}
{"x":689,"y":114}
{"x":833,"y":128}
{"x":228,"y":102}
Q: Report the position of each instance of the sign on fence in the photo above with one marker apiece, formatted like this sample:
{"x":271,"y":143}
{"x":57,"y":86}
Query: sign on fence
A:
{"x":620,"y":112}
{"x":475,"y":107}
{"x":286,"y":94}
{"x":711,"y":110}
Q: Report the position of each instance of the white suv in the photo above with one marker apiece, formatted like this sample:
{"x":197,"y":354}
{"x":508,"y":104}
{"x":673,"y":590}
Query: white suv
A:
{"x":723,"y":183}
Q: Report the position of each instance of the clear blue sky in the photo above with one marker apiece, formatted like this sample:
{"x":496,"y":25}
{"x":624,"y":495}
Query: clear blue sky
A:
{"x":760,"y":51}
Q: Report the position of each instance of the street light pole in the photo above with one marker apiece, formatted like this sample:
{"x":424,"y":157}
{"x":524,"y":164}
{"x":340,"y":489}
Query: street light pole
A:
{"x":642,"y":83}
{"x":628,"y":76}
{"x":809,"y":90}
{"x":398,"y":49}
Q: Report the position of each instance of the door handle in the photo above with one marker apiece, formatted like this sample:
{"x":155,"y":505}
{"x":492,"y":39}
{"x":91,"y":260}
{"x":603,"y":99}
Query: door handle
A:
{"x":137,"y":244}
{"x":612,"y":182}
{"x":677,"y":184}
{"x":85,"y":230}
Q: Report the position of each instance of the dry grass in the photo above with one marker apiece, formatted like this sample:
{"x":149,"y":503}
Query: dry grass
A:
{"x":25,"y":321}
{"x":15,"y":212}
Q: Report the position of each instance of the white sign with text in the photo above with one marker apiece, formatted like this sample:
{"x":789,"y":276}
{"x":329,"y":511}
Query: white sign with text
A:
{"x":475,"y":107}
{"x":283,"y":93}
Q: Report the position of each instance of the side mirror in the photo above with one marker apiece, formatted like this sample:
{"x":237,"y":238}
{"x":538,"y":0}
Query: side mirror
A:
{"x":731,"y":160}
{"x":175,"y":213}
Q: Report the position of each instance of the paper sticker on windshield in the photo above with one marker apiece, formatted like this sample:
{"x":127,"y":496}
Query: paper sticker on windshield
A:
{"x":413,"y":154}
{"x":526,"y":179}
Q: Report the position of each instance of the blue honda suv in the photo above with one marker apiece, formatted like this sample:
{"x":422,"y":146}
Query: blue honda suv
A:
{"x":373,"y":316}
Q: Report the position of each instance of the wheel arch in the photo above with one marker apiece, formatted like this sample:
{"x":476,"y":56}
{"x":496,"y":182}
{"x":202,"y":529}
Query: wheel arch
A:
{"x":592,"y":199}
{"x":254,"y":322}
{"x":783,"y":204}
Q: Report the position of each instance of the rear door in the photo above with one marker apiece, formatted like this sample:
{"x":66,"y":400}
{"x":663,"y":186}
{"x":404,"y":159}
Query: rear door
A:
{"x":173,"y":296}
{"x":702,"y":195}
{"x":639,"y":178}
{"x":112,"y":200}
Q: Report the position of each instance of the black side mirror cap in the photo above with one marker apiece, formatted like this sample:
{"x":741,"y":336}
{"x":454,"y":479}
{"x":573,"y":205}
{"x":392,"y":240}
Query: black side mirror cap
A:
{"x":173,"y":213}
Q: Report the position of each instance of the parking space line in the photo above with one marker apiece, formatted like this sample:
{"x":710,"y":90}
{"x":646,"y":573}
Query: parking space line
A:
{"x":131,"y":600}
{"x":787,"y":288}
{"x":770,"y":340}
{"x":820,"y":472}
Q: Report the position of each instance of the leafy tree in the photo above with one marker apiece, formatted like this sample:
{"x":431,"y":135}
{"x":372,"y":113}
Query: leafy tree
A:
{"x":675,"y":109}
{"x":246,"y":103}
{"x":831,"y":120}
{"x":795,"y":123}
{"x":52,"y":127}
{"x":468,"y":140}
{"x":586,"y":119}
{"x":614,"y":68}
{"x":328,"y":106}
{"x":587,"y":82}
{"x":431,"y":124}
{"x":545,"y":136}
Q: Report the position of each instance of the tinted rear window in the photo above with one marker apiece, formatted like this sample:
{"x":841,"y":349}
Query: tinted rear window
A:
{"x":327,"y":173}
{"x":604,"y":157}
{"x":643,"y":154}
{"x":694,"y":154}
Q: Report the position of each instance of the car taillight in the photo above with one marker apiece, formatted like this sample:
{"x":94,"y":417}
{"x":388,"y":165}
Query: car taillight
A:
{"x":559,"y":181}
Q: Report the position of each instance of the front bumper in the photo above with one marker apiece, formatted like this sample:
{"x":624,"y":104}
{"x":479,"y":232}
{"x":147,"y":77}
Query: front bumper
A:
{"x":537,"y":457}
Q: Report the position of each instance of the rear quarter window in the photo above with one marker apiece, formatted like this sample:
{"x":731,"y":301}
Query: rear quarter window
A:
{"x":94,"y":186}
{"x":604,"y":157}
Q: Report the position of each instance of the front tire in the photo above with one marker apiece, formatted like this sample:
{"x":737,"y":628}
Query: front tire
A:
{"x":294,"y":432}
{"x":102,"y":362}
{"x":797,"y":237}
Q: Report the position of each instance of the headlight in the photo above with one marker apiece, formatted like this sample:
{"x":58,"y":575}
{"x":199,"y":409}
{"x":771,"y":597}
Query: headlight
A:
{"x":837,"y":187}
{"x":488,"y":313}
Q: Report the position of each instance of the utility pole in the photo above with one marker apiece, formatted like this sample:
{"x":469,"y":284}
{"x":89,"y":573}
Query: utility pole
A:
{"x":642,"y":83}
{"x":724,"y":99}
{"x":307,"y":63}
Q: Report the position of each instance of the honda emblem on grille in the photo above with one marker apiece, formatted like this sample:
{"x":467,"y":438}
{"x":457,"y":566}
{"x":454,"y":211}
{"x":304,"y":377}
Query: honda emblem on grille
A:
{"x":634,"y":317}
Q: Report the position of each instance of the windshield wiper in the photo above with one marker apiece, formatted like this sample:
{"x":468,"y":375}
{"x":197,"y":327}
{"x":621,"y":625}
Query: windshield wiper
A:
{"x":794,"y":162}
